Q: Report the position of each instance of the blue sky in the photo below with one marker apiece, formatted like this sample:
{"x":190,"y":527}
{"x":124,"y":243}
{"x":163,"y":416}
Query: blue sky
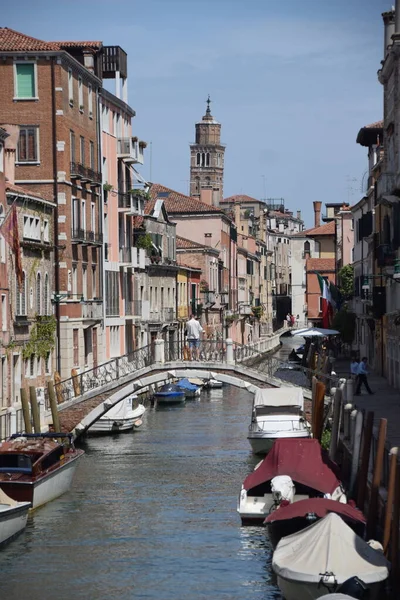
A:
{"x":292,"y":81}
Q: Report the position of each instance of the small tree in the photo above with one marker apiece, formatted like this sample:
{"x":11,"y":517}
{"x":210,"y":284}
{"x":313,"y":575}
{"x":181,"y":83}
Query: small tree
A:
{"x":345,"y":322}
{"x":346,"y":281}
{"x":144,"y":241}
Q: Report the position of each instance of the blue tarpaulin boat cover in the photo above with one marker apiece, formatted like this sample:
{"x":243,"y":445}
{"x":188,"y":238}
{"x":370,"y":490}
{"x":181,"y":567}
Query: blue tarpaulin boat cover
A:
{"x":185,"y":384}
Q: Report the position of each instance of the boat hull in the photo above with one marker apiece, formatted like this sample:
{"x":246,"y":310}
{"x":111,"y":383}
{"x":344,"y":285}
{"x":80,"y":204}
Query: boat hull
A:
{"x":46,"y":487}
{"x":253,"y":510}
{"x":261,"y":443}
{"x":117,"y":425}
{"x":167,"y":398}
{"x":192,"y":395}
{"x":12,"y":521}
{"x":300,"y":590}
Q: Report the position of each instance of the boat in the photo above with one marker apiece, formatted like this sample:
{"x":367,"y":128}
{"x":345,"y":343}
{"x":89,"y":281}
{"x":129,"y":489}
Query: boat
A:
{"x":170,"y":394}
{"x":291,"y":518}
{"x":13,"y":517}
{"x":212,"y":384}
{"x":318,"y":560}
{"x":294,"y":469}
{"x":37,"y":468}
{"x":191,"y":390}
{"x":277,"y":413}
{"x":121,"y":417}
{"x":196,"y":381}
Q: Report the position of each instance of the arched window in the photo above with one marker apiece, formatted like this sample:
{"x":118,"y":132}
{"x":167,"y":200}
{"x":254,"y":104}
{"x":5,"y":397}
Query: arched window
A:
{"x":20,"y":297}
{"x":208,"y":159}
{"x":46,"y":295}
{"x":203,"y":159}
{"x":197,"y":185}
{"x":208,"y":181}
{"x":2,"y":240}
{"x":38,"y":294}
{"x":386,"y":230}
{"x":198,"y":159}
{"x":306,"y":248}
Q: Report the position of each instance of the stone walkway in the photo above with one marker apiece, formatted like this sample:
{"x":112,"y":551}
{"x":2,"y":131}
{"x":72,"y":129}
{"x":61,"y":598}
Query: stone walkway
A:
{"x":385,"y":402}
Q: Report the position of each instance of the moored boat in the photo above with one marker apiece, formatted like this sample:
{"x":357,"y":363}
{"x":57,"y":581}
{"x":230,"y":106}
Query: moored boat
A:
{"x":318,"y":560}
{"x":212,"y":384}
{"x":293,"y":470}
{"x":191,"y":390}
{"x":170,"y":394}
{"x":291,"y":518}
{"x":124,"y":416}
{"x":13,"y":517}
{"x":37,"y":468}
{"x":277,"y":413}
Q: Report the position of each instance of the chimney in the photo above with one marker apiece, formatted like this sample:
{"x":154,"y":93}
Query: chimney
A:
{"x":10,"y":148}
{"x":299,"y":215}
{"x":389,"y":29}
{"x":206,"y":195}
{"x":88,"y":60}
{"x":317,"y":213}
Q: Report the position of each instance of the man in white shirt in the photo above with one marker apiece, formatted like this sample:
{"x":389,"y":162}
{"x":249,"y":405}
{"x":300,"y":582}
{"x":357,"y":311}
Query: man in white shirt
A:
{"x":362,"y":377}
{"x":354,"y":369}
{"x":193,"y":331}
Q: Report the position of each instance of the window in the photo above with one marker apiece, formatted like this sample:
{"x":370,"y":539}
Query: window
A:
{"x":72,"y":145}
{"x":91,"y":155}
{"x":198,"y":159}
{"x":70,"y":87}
{"x":80,"y":94}
{"x":114,"y":341}
{"x":25,"y":80}
{"x":84,"y":283}
{"x":31,"y":229}
{"x":38,"y":294}
{"x":75,"y":336}
{"x":20,"y":309}
{"x":93,"y":216}
{"x":207,"y":159}
{"x":2,"y":240}
{"x":32,"y":365}
{"x":83,"y":215}
{"x":28,"y":144}
{"x":75,"y":214}
{"x":94,"y":282}
{"x":38,"y":366}
{"x":46,"y":296}
{"x":112,"y":294}
{"x":90,"y":101}
{"x":46,"y":231}
{"x":82,"y":146}
{"x":74,"y":280}
{"x":47,"y":363}
{"x":3,"y":313}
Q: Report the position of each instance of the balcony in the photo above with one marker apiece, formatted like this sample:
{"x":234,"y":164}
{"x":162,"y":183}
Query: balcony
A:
{"x":128,"y":150}
{"x":79,"y":171}
{"x":82,"y":236}
{"x":125,"y":256}
{"x":115,"y":60}
{"x":209,"y":299}
{"x":93,"y":176}
{"x":92,"y":309}
{"x":224,"y":298}
{"x":130,"y":202}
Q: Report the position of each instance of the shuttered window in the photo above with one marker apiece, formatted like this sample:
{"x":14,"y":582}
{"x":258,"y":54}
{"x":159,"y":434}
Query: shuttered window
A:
{"x":25,"y":75}
{"x":28,"y":145}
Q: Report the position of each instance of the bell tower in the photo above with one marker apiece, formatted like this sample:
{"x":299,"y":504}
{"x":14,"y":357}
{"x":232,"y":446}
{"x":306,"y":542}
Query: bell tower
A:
{"x":207,"y":159}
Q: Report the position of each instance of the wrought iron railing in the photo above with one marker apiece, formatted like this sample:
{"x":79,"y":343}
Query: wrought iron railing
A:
{"x":207,"y":351}
{"x":112,"y":370}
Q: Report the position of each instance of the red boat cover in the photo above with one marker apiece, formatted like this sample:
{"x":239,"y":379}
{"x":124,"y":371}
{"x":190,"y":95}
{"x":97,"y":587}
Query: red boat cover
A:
{"x":320,"y":506}
{"x":301,"y":459}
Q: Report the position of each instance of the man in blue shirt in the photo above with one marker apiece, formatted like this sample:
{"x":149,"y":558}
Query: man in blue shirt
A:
{"x":362,"y":377}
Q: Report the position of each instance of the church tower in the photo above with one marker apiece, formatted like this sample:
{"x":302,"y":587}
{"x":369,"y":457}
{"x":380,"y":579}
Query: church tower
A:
{"x":207,"y":159}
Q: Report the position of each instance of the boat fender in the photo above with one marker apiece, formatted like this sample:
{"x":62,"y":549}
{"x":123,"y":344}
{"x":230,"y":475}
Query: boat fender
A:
{"x":375,"y":545}
{"x":243,"y":497}
{"x":138,"y":423}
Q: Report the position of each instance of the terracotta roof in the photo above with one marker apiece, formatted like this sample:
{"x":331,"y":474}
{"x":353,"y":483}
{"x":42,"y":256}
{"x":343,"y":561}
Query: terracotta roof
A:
{"x":16,"y":189}
{"x":242,"y":198}
{"x":183,"y":243}
{"x":96,"y":45}
{"x":376,"y":125}
{"x":321,"y":264}
{"x":326,"y":229}
{"x":188,"y":267}
{"x":11,"y":40}
{"x":177,"y":203}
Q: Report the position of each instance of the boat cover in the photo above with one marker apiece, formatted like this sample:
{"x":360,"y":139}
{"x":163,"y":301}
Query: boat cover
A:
{"x":283,"y":396}
{"x":328,"y":546}
{"x":185,"y":384}
{"x":336,"y":597}
{"x":196,"y":381}
{"x":320,"y":506}
{"x":301,"y":459}
{"x":121,"y":410}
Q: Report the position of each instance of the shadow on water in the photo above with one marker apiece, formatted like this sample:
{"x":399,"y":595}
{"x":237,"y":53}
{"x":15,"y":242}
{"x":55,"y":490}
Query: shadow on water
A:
{"x":152,"y":514}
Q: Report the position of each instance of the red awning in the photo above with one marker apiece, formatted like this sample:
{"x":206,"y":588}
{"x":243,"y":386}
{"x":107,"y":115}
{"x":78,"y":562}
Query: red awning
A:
{"x":320,"y":506}
{"x":303,"y":460}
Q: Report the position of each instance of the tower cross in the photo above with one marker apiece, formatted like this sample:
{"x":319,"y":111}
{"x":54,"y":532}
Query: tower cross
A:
{"x":208,"y":111}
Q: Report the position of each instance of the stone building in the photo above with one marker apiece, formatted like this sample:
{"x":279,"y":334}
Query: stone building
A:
{"x":207,"y":159}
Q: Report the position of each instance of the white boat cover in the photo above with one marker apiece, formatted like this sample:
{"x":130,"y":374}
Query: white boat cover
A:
{"x":328,"y":546}
{"x":336,"y":597}
{"x":282,"y":488}
{"x":122,"y":410}
{"x":283,"y":396}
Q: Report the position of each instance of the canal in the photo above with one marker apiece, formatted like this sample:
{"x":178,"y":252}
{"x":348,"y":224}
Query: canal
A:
{"x":152,"y":514}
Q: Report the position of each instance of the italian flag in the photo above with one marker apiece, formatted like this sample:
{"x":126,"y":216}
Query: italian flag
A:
{"x":327,"y":303}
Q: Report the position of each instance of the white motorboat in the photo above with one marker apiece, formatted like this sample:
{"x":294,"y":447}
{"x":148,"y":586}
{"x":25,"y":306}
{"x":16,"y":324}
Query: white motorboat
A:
{"x":213,"y":384}
{"x":295,"y":469}
{"x":124,"y":416}
{"x":13,"y":517}
{"x":320,"y":559}
{"x":277,"y":413}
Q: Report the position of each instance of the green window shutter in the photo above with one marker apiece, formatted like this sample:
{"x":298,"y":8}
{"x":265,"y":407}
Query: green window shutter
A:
{"x":25,"y":81}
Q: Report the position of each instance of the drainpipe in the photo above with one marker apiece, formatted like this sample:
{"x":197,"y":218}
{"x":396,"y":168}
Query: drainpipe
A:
{"x":55,"y":194}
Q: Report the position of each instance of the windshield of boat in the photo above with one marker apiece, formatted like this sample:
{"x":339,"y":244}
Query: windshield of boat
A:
{"x":15,"y":463}
{"x":276,"y":410}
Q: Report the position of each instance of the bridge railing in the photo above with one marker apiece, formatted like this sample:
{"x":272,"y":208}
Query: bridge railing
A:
{"x":99,"y":376}
{"x":207,"y":351}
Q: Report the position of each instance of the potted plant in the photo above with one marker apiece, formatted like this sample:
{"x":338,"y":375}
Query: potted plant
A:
{"x":144,"y":241}
{"x":257,"y":311}
{"x":204,"y":287}
{"x":107,"y":187}
{"x":229,"y":319}
{"x":142,"y":144}
{"x":140,"y":194}
{"x":81,"y":107}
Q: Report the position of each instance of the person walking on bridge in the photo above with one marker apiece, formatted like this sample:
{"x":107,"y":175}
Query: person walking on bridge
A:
{"x":193,"y":331}
{"x":362,"y":377}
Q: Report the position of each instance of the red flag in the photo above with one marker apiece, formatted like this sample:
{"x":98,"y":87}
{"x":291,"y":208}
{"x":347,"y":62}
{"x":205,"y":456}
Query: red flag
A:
{"x":9,"y":231}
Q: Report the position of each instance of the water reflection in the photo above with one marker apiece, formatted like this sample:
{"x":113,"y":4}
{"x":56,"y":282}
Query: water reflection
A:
{"x":151,"y":515}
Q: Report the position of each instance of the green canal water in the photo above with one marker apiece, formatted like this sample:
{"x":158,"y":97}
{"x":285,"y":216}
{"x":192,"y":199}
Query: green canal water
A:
{"x":151,"y":514}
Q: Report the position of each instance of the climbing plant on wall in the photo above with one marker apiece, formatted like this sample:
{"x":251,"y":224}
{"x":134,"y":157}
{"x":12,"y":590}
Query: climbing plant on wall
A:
{"x":42,"y":337}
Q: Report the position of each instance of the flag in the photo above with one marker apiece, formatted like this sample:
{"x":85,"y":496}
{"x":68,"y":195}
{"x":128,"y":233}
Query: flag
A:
{"x":326,"y":302}
{"x":9,"y":231}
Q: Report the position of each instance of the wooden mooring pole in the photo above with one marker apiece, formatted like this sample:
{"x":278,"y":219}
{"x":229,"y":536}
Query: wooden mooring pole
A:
{"x":34,"y":408}
{"x":389,"y":501}
{"x":25,"y":411}
{"x":53,"y":406}
{"x":376,"y":480}
{"x":366,"y":451}
{"x":394,"y":545}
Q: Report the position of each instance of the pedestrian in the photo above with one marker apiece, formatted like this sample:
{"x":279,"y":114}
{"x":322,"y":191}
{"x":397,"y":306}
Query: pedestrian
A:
{"x":289,"y":320}
{"x":292,"y":320}
{"x":193,"y":330}
{"x":354,"y":365}
{"x":362,"y":377}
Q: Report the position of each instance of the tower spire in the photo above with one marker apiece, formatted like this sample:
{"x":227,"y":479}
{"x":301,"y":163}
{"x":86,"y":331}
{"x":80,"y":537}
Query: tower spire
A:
{"x":208,"y":111}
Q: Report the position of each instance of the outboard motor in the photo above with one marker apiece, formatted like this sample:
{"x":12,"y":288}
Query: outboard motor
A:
{"x":282,"y":488}
{"x":355,"y":588}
